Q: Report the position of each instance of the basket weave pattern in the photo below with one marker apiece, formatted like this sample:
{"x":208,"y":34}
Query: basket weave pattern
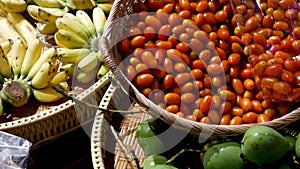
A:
{"x":114,"y":32}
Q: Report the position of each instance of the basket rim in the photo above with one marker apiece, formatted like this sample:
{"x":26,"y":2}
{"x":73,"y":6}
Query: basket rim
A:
{"x":45,"y":114}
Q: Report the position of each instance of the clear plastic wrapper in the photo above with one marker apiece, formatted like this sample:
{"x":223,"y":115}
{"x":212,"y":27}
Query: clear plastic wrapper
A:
{"x":14,"y":151}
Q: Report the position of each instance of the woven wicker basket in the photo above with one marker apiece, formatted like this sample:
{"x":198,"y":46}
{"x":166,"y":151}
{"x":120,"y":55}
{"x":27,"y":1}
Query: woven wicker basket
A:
{"x":57,"y":120}
{"x":113,"y":34}
{"x":106,"y":153}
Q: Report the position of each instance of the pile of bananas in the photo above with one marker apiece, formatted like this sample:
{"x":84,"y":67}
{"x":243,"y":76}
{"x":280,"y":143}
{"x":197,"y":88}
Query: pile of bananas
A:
{"x":27,"y":68}
{"x":77,"y":38}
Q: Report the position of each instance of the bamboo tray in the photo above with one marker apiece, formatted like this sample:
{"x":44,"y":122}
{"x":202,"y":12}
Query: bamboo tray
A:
{"x":59,"y":119}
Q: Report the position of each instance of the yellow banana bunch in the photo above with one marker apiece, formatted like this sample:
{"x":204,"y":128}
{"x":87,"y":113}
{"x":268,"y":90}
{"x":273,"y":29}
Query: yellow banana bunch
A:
{"x":77,"y":40}
{"x":48,"y":3}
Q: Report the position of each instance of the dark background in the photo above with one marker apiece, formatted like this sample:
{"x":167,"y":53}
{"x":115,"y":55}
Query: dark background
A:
{"x":69,"y":151}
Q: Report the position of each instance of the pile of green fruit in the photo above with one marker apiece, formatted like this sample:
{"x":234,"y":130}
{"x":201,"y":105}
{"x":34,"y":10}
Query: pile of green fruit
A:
{"x":259,"y":147}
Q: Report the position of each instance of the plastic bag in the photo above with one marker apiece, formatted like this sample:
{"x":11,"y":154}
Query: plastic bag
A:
{"x":14,"y":151}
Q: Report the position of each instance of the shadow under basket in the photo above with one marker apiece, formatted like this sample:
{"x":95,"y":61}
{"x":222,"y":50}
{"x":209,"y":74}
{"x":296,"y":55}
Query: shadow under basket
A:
{"x":113,"y":58}
{"x":55,"y":120}
{"x":106,"y":152}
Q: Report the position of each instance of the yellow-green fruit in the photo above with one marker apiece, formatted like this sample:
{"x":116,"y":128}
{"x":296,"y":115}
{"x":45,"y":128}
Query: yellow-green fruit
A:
{"x":262,"y":144}
{"x":47,"y":94}
{"x":88,"y":63}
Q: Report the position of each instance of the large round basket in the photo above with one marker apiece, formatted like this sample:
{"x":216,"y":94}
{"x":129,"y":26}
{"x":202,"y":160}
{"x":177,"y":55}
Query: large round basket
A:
{"x":113,"y":57}
{"x":105,"y":151}
{"x":56,"y":120}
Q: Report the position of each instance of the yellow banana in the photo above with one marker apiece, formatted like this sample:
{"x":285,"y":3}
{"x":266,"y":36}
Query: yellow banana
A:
{"x":102,"y":71}
{"x":45,"y":15}
{"x":77,"y":21}
{"x":59,"y":77}
{"x":70,"y":25}
{"x":46,"y":56}
{"x":106,"y":7}
{"x":71,"y":55}
{"x":13,"y":5}
{"x":5,"y":68}
{"x":7,"y":31}
{"x":88,"y":63}
{"x":47,"y":94}
{"x":32,"y":54}
{"x":84,"y":77}
{"x":79,"y":4}
{"x":47,"y":28}
{"x":85,"y":19}
{"x":42,"y":77}
{"x":23,"y":26}
{"x":17,"y":56}
{"x":48,"y":3}
{"x":99,"y":20}
{"x":6,"y":45}
{"x":64,"y":38}
{"x":69,"y":68}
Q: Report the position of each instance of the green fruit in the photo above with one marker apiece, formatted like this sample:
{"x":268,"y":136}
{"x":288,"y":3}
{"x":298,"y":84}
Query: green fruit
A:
{"x":153,"y":160}
{"x":292,"y":142}
{"x":262,"y":144}
{"x":147,"y":136}
{"x":214,"y":149}
{"x":228,"y":157}
{"x":297,"y":146}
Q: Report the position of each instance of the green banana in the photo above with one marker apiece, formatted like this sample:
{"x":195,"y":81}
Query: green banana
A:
{"x":106,"y":7}
{"x":46,"y":56}
{"x":102,"y":71}
{"x":17,"y":56}
{"x":71,"y":55}
{"x":13,"y":5}
{"x":48,"y":3}
{"x":88,"y":63}
{"x":69,"y":68}
{"x":70,"y":25}
{"x":66,"y":39}
{"x":78,"y":4}
{"x":32,"y":54}
{"x":47,"y":94}
{"x":73,"y":17}
{"x":99,"y":20}
{"x":23,"y":26}
{"x":85,"y":19}
{"x":59,"y":77}
{"x":42,"y":77}
{"x":5,"y":68}
{"x":85,"y":77}
{"x":45,"y":15}
{"x":47,"y":28}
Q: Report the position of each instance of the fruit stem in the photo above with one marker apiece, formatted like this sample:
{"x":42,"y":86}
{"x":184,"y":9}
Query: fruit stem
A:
{"x":179,"y":153}
{"x":15,"y":92}
{"x":61,"y":91}
{"x":123,"y":147}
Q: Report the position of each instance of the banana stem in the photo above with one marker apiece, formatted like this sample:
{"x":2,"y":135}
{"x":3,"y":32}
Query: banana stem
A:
{"x":61,"y":91}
